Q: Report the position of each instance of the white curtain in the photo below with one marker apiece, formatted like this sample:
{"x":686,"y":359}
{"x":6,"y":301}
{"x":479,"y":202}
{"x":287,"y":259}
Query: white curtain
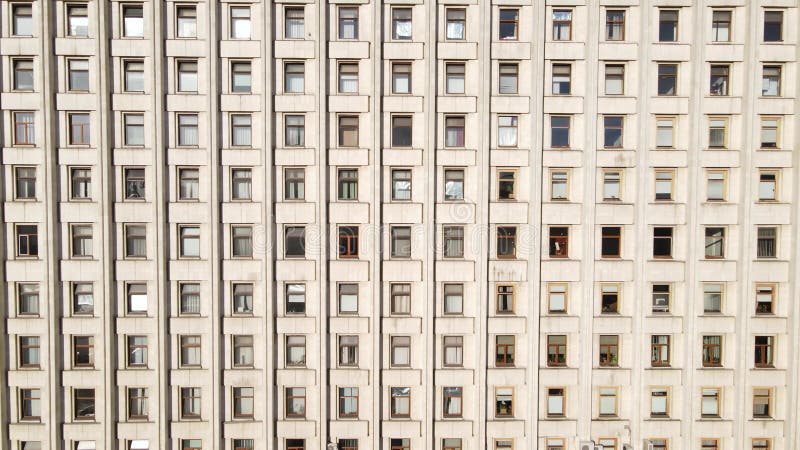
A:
{"x":295,"y":28}
{"x":241,"y":28}
{"x":401,"y":83}
{"x":295,"y":82}
{"x":402,"y":29}
{"x":188,"y":134}
{"x":454,"y":190}
{"x":347,"y":29}
{"x":507,"y":136}
{"x":348,"y":83}
{"x":241,"y":134}
{"x":555,"y":404}
{"x":134,"y":134}
{"x":454,"y":137}
{"x":455,"y":30}
{"x":508,"y":84}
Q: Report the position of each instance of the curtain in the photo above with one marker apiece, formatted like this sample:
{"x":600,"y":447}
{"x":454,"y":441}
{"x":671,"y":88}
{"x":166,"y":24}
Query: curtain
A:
{"x":402,"y":29}
{"x":241,"y":28}
{"x":190,"y":299}
{"x":241,"y":189}
{"x":295,"y":82}
{"x":455,"y":30}
{"x":348,"y":83}
{"x":243,"y":246}
{"x":508,"y":84}
{"x":658,"y":404}
{"x":241,"y":135}
{"x":134,"y":134}
{"x":295,"y":136}
{"x":452,"y":405}
{"x":347,"y":29}
{"x":454,"y":137}
{"x":555,"y":404}
{"x":187,"y":27}
{"x":188,"y":135}
{"x":455,"y":84}
{"x":295,"y":28}
{"x":507,"y":136}
{"x":402,"y":190}
{"x":401,"y":83}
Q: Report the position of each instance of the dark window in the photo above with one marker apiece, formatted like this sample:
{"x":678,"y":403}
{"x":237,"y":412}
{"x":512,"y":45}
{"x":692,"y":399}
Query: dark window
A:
{"x":662,"y":242}
{"x":559,"y":242}
{"x":611,"y":242}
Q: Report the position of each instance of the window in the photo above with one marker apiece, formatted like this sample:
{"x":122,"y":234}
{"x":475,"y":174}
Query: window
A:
{"x":133,"y":20}
{"x":709,"y":444}
{"x":509,"y":24}
{"x":82,"y":299}
{"x":348,"y":403}
{"x":241,"y":130}
{"x":712,"y":351}
{"x":506,"y":242}
{"x":559,"y":242}
{"x":505,"y":299}
{"x":400,"y":402}
{"x":295,"y":351}
{"x":189,"y":298}
{"x":348,"y":78}
{"x":24,"y":183}
{"x":453,"y":184}
{"x":556,"y":298}
{"x":191,"y":444}
{"x":555,"y":444}
{"x":401,"y":242}
{"x":84,"y":404}
{"x":348,"y":298}
{"x":611,"y":185}
{"x":348,"y":242}
{"x":661,"y":298}
{"x":764,"y":351}
{"x":556,"y":350}
{"x":506,"y":184}
{"x":556,"y":402}
{"x":504,"y":351}
{"x":721,"y":25}
{"x":78,"y":75}
{"x":241,"y":77}
{"x":401,"y":78}
{"x":348,"y":131}
{"x":667,"y":79}
{"x":659,"y":350}
{"x":665,"y":180}
{"x":23,"y":74}
{"x":773,"y":26}
{"x":294,"y":77}
{"x":559,"y":131}
{"x":762,"y":444}
{"x":24,"y":128}
{"x":78,"y":20}
{"x":668,"y":25}
{"x":241,"y":184}
{"x":29,"y":353}
{"x":242,"y":241}
{"x":562,"y":24}
{"x":609,"y":298}
{"x":612,"y":131}
{"x":401,"y":184}
{"x":27,"y":299}
{"x":295,"y":131}
{"x":240,"y":22}
{"x":769,"y":132}
{"x":615,"y":79}
{"x":243,"y":351}
{"x":710,"y":402}
{"x":189,"y":241}
{"x":400,"y":351}
{"x":507,"y":131}
{"x":659,"y":403}
{"x":715,"y":243}
{"x":80,"y":183}
{"x":30,"y":404}
{"x":454,"y":78}
{"x":608,"y":401}
{"x":453,"y":351}
{"x":509,"y":78}
{"x":766,"y":245}
{"x":401,"y":24}
{"x":715,"y":185}
{"x":295,"y":23}
{"x":712,"y":298}
{"x":400,"y":298}
{"x":190,"y":403}
{"x":762,"y":399}
{"x":662,"y":242}
{"x":453,"y":298}
{"x":189,"y":184}
{"x":187,"y":76}
{"x":135,"y":182}
{"x":765,"y":299}
{"x":504,"y":402}
{"x":134,"y":130}
{"x":456,"y":23}
{"x":79,"y":129}
{"x":83,"y":351}
{"x":451,"y":401}
{"x":189,"y":351}
{"x":453,"y":239}
{"x":562,"y":78}
{"x":348,"y":22}
{"x":295,"y":444}
{"x":767,"y":186}
{"x":27,"y":240}
{"x":294,"y":184}
{"x":81,"y":241}
{"x":295,"y":242}
{"x":242,"y":298}
{"x":22,"y":19}
{"x":187,"y":21}
{"x":615,"y":25}
{"x":771,"y":81}
{"x":348,"y":351}
{"x":137,"y":403}
{"x":665,"y":132}
{"x":454,"y":131}
{"x":400,"y":444}
{"x":137,"y":351}
{"x":720,"y":75}
{"x":347,"y":184}
{"x":401,"y":131}
{"x":609,"y":351}
{"x":243,"y":402}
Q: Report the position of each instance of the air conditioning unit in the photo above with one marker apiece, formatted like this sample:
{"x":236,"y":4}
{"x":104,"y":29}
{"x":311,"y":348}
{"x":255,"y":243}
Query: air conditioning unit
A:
{"x":647,"y":445}
{"x":587,"y":445}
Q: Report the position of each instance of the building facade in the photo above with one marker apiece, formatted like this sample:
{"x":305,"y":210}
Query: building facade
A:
{"x":453,"y":225}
